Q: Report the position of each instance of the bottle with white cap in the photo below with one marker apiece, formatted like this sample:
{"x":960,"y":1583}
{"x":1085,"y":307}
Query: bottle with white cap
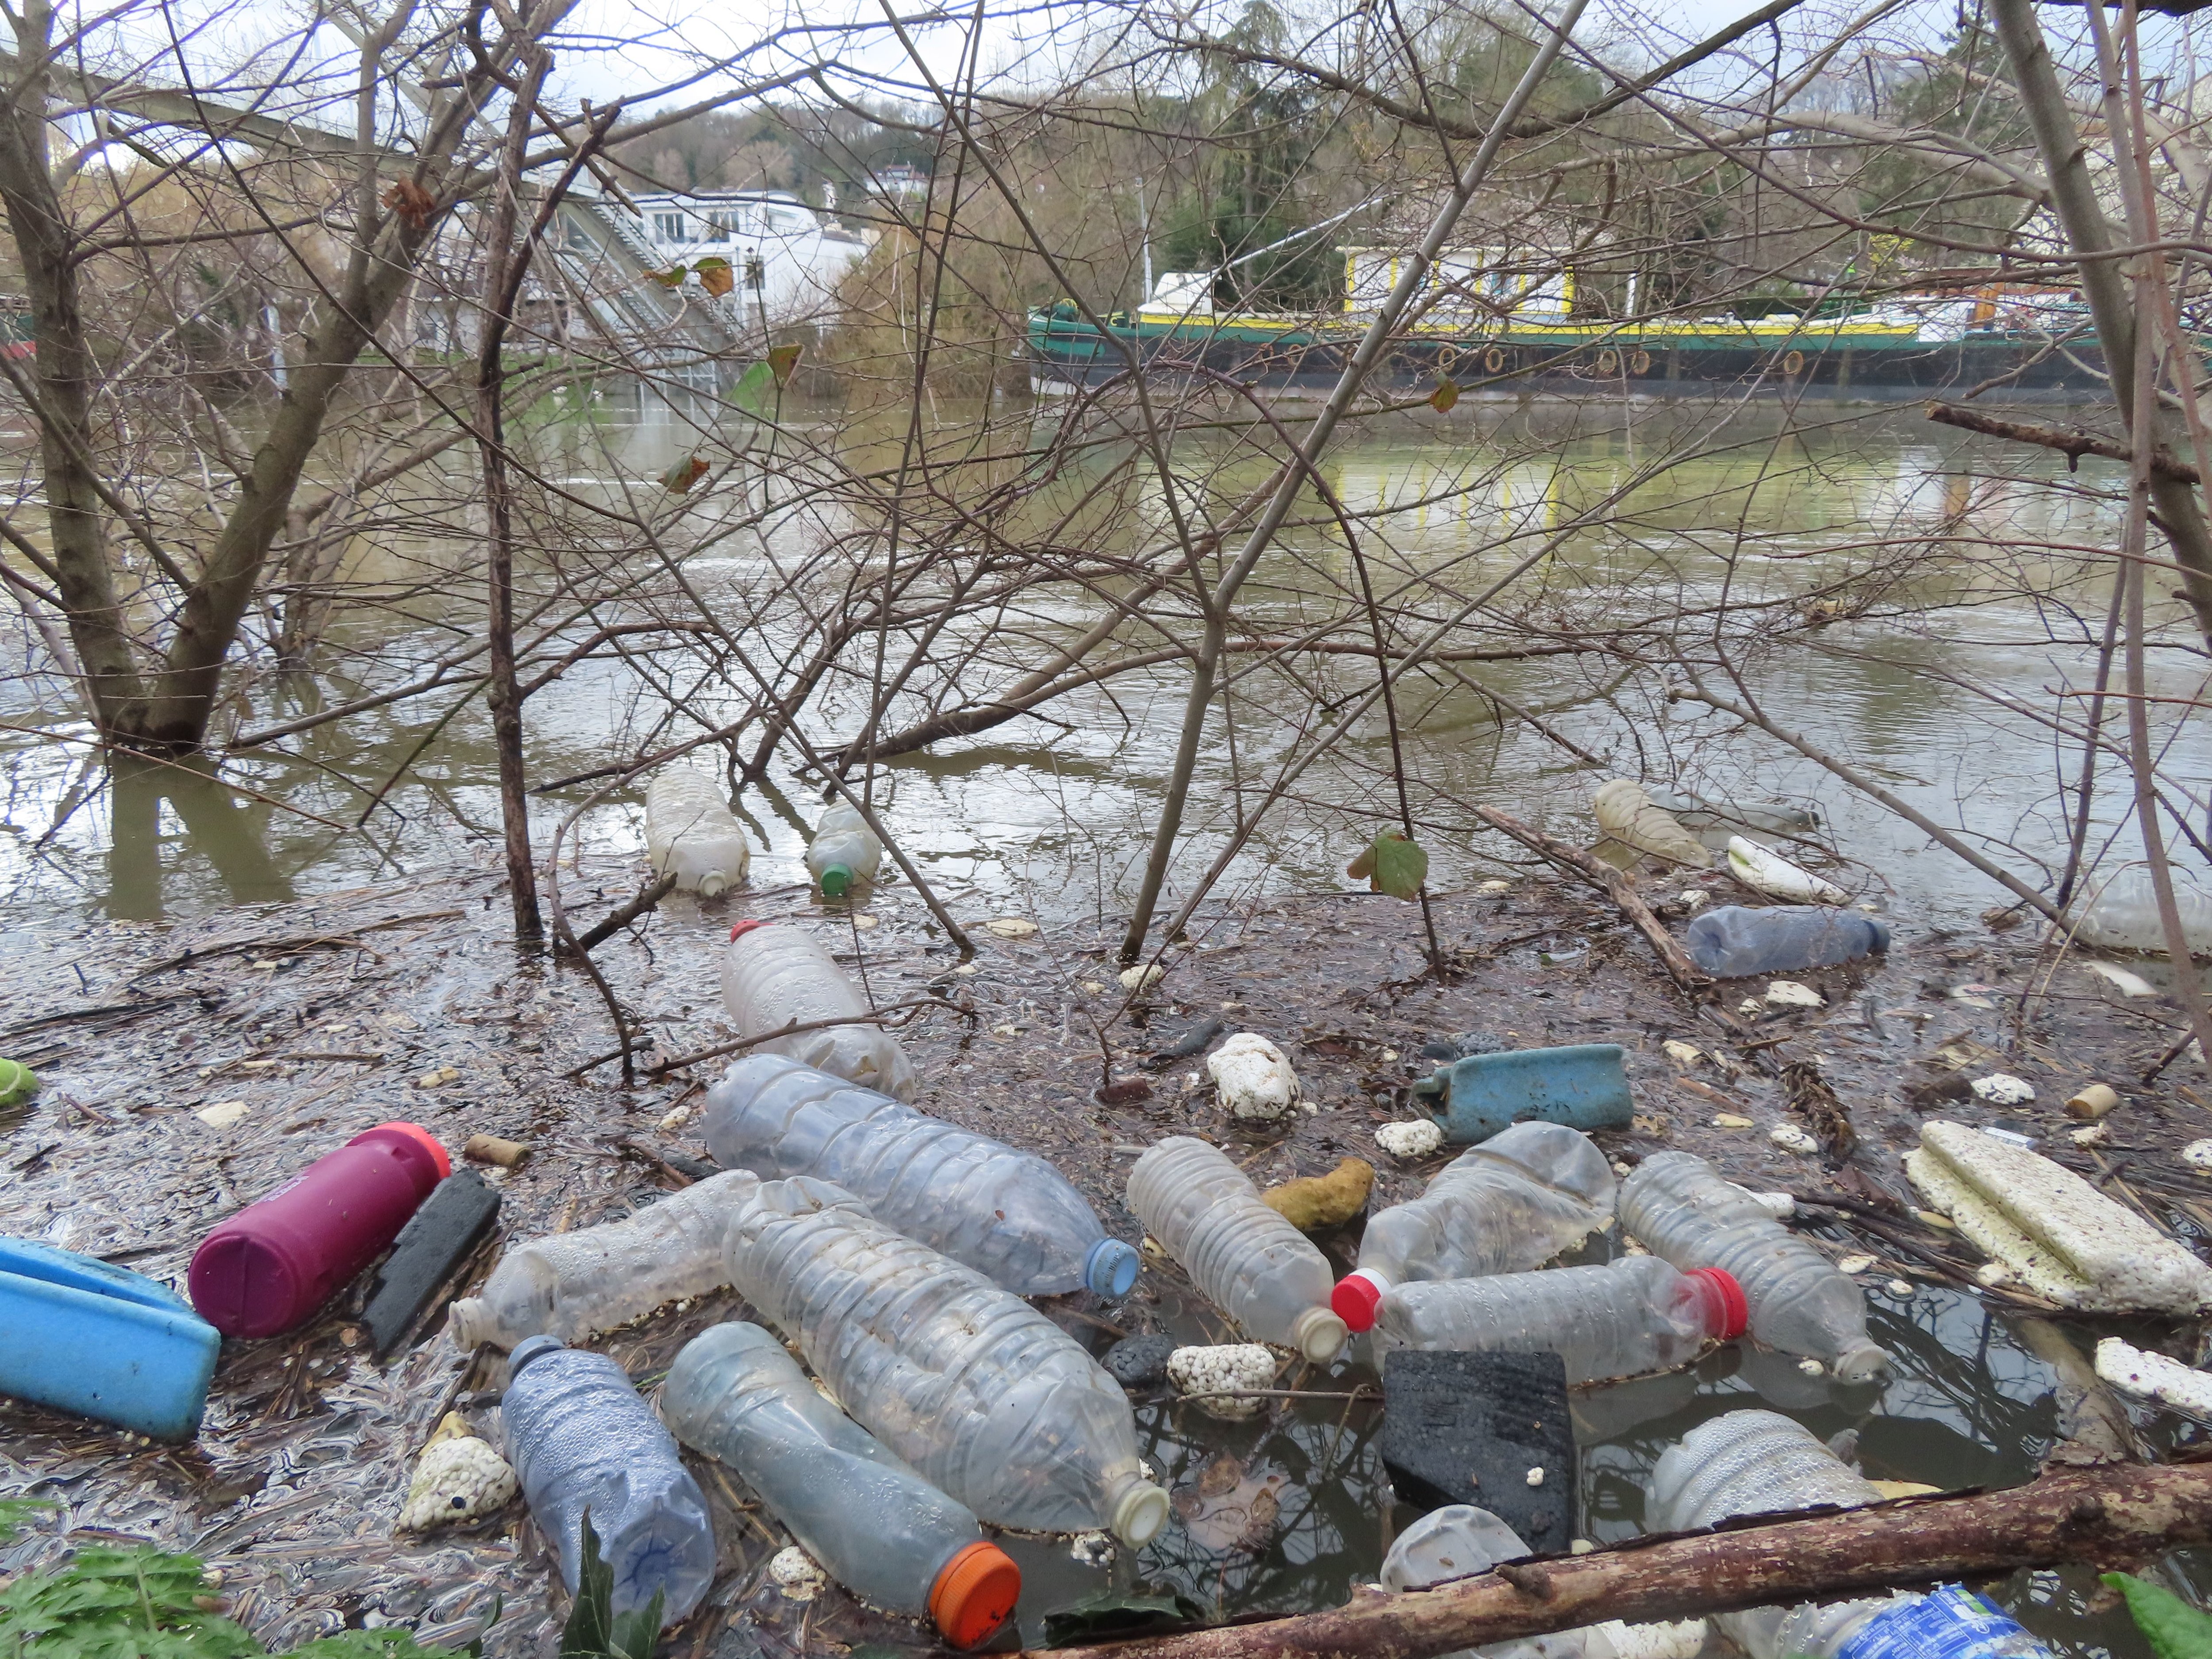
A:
{"x":1008,"y":1214}
{"x":690,"y":829}
{"x":881,"y":1530}
{"x":1686,"y":1211}
{"x":1257,"y":1268}
{"x":986,"y":1398}
{"x":776,"y":975}
{"x":844,"y":852}
{"x":1511,"y":1204}
{"x":1625,"y":1318}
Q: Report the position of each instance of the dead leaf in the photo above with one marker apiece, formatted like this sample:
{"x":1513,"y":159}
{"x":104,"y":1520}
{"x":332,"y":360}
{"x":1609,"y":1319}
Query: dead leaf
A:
{"x":411,"y":202}
{"x":782,"y":362}
{"x":680,"y":478}
{"x":715,"y":275}
{"x":1228,"y":1509}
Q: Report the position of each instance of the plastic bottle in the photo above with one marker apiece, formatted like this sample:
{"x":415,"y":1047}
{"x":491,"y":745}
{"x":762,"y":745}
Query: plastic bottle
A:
{"x":273,"y":1263}
{"x":1460,"y":1541}
{"x":1753,"y":1462}
{"x":1511,"y":1204}
{"x":844,"y":852}
{"x":880,"y":1529}
{"x":1735,"y":941}
{"x":1680,"y":1207}
{"x":580,"y":1438}
{"x":985,"y":1396}
{"x":573,"y":1286}
{"x":1256,"y":1268}
{"x":2122,"y":913}
{"x":775,"y":975}
{"x":1622,"y":1319}
{"x":690,"y":829}
{"x":1767,"y":817}
{"x":1629,"y":815}
{"x":1008,"y":1214}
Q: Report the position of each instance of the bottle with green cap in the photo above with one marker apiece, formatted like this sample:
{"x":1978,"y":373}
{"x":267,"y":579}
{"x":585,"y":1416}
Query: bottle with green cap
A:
{"x":18,"y":1083}
{"x":844,"y":852}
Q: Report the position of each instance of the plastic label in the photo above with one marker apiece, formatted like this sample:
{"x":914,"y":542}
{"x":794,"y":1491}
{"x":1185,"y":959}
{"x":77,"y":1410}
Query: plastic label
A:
{"x":1948,"y":1623}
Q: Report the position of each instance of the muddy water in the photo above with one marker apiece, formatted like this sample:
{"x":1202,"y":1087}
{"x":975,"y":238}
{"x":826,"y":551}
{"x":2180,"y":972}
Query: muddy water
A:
{"x":295,"y":1484}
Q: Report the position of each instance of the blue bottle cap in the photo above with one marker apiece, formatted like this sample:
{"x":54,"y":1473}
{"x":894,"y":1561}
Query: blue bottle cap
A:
{"x":530,"y":1348}
{"x":1112,"y":1267}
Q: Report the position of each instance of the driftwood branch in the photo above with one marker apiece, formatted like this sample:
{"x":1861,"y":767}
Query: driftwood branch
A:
{"x":2071,"y":441}
{"x":623,"y":914}
{"x":2108,"y":1514}
{"x":1617,"y":885}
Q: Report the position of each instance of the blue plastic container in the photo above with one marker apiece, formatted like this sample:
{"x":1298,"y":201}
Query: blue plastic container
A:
{"x":83,"y":1337}
{"x":1584,"y":1086}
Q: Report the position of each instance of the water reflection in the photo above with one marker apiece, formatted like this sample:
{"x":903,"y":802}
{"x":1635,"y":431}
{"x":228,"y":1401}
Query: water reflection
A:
{"x":230,"y":831}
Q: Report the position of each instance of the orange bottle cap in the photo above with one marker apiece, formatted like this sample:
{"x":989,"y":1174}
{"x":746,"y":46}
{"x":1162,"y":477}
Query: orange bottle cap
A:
{"x":416,"y":1132}
{"x":975,"y":1594}
{"x":743,"y":928}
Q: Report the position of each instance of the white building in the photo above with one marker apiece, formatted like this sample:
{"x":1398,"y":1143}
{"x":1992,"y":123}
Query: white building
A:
{"x":787,"y":259}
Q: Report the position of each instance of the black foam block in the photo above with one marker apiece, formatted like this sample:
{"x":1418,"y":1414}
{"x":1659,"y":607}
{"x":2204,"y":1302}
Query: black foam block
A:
{"x":1468,"y":1428}
{"x":451,"y":1221}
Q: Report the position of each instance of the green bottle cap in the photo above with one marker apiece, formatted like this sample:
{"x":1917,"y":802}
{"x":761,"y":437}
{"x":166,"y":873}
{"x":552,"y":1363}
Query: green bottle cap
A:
{"x":836,"y":881}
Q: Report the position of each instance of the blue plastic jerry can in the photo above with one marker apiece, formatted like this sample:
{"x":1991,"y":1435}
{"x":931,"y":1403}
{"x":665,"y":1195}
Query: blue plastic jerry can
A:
{"x":82,"y":1336}
{"x":1584,"y":1086}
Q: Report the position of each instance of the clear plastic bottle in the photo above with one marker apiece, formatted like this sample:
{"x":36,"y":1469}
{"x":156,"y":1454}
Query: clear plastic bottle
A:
{"x":690,"y":829}
{"x":1754,"y":1463}
{"x":774,"y":974}
{"x":1630,"y":816}
{"x":879,"y":1529}
{"x":2122,"y":913}
{"x":1682,"y":1208}
{"x":985,"y":1396}
{"x":573,"y":1286}
{"x":1255,"y":1267}
{"x":580,"y":1438}
{"x":1625,"y":1318}
{"x":1008,"y":1214}
{"x":1460,"y":1541}
{"x":1511,"y":1204}
{"x":1737,"y":941}
{"x":844,"y":852}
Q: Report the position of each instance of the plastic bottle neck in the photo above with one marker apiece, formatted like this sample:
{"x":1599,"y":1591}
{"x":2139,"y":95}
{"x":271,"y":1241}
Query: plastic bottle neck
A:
{"x":836,"y":880}
{"x":1320,"y":1335}
{"x":1357,"y":1297}
{"x":1722,"y":1306}
{"x":1136,"y":1510}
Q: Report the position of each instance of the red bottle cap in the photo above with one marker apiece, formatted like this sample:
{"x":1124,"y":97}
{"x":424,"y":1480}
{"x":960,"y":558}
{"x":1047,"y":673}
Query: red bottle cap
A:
{"x":421,"y":1137}
{"x":743,"y":927}
{"x":1355,"y":1300}
{"x":1727,"y":1312}
{"x":975,"y":1594}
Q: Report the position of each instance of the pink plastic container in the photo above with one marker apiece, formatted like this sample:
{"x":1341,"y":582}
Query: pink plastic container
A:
{"x":273,"y":1263}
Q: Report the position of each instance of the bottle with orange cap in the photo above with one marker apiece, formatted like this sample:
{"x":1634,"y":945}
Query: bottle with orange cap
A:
{"x":272,"y":1264}
{"x":884,"y":1532}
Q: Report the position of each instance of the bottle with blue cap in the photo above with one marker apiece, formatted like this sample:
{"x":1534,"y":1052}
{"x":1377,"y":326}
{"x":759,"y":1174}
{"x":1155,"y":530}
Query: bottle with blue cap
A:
{"x":1008,"y":1214}
{"x":582,"y":1439}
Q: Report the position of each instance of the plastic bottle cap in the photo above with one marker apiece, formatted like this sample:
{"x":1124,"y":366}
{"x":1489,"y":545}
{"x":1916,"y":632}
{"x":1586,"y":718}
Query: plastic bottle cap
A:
{"x":1112,"y":1267}
{"x":1357,"y":1297}
{"x":835,"y":878}
{"x":1861,"y":1363}
{"x":1727,"y":1310}
{"x":1139,"y":1515}
{"x":530,"y":1348}
{"x":712,"y":885}
{"x":743,"y":927}
{"x":424,"y":1137}
{"x":1320,"y":1335}
{"x":975,"y":1594}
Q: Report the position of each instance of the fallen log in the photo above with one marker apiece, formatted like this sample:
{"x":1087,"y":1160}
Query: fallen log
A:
{"x":1617,"y":885}
{"x":2107,"y":1515}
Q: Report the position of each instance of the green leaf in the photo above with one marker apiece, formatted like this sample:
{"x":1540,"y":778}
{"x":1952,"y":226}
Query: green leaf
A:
{"x":1392,"y":865}
{"x":1111,"y":1615}
{"x":14,"y":1511}
{"x":2174,"y":1628}
{"x":1445,"y":395}
{"x":781,"y":361}
{"x":750,"y":393}
{"x":683,"y":474}
{"x":671,"y":277}
{"x":595,"y":1630}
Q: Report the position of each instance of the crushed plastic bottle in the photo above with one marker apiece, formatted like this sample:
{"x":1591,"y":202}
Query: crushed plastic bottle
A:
{"x":1458,"y":1541}
{"x":881,"y":1530}
{"x":775,"y":975}
{"x":1735,"y":942}
{"x":1008,"y":1214}
{"x":690,"y":829}
{"x":1257,"y":1268}
{"x":1678,"y":1205}
{"x":1630,"y":816}
{"x":1770,"y":818}
{"x":1625,"y":1318}
{"x":580,"y":1438}
{"x":574,"y":1285}
{"x":844,"y":852}
{"x":985,"y":1396}
{"x":2122,"y":913}
{"x":1511,"y":1204}
{"x":1751,"y":1462}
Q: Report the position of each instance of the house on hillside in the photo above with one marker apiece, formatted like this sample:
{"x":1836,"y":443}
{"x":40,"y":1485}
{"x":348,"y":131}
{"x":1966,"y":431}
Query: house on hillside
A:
{"x":787,"y":259}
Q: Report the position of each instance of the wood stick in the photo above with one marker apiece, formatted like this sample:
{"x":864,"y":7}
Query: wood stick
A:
{"x":1618,"y":884}
{"x":2113,"y":1514}
{"x":2071,"y":441}
{"x":625,"y":913}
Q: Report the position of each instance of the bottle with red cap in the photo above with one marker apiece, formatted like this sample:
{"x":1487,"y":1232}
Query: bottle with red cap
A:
{"x":272,"y":1264}
{"x":879,"y":1529}
{"x":1511,"y":1204}
{"x":1623,"y":1319}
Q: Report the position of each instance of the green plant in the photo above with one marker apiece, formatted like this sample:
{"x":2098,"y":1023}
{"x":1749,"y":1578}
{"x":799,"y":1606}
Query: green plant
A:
{"x":595,"y":1630}
{"x":2174,"y":1628}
